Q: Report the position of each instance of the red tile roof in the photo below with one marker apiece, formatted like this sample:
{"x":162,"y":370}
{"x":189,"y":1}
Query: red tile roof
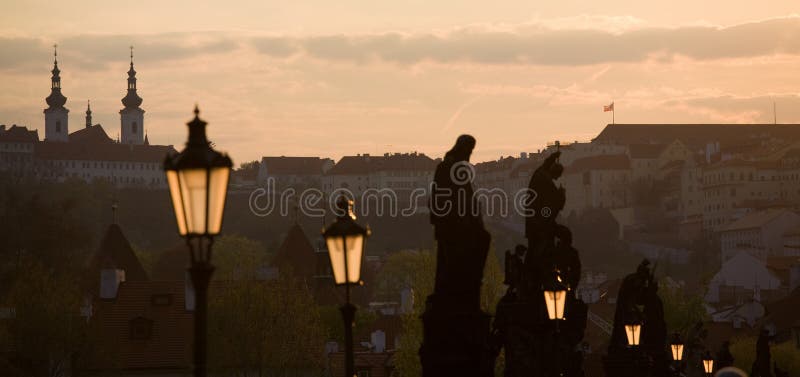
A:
{"x":18,"y":134}
{"x":295,"y":165}
{"x":93,"y":134}
{"x":696,"y":136}
{"x":101,"y":152}
{"x":365,"y":164}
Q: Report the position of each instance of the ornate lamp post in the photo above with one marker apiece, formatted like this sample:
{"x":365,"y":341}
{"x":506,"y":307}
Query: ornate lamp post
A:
{"x":555,"y":296}
{"x":198,"y":185}
{"x":346,"y":240}
{"x":708,"y":363}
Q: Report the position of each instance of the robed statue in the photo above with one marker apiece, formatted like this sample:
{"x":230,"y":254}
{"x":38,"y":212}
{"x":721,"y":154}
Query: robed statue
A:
{"x":455,"y":330}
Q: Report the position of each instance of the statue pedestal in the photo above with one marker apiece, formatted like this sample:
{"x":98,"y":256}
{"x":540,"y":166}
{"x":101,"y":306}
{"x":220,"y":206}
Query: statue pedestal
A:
{"x":627,"y":363}
{"x":455,"y":343}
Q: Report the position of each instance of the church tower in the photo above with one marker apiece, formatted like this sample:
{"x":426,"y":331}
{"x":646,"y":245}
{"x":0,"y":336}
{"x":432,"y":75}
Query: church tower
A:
{"x":56,"y":120}
{"x":132,"y":116}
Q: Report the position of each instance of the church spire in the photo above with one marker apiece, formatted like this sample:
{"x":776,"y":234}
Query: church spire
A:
{"x":88,"y":114}
{"x":132,"y":100}
{"x":56,"y":99}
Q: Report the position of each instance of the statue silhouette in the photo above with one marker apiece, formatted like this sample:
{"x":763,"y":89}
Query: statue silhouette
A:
{"x":535,"y":345}
{"x":455,"y":330}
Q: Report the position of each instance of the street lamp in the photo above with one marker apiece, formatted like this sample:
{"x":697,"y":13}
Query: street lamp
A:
{"x":555,"y":296}
{"x":198,"y":184}
{"x":346,"y":240}
{"x":708,"y":363}
{"x":676,"y":346}
{"x":633,"y":331}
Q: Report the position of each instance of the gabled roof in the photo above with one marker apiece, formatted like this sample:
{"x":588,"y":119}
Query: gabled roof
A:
{"x":90,"y":135}
{"x":115,"y":251}
{"x":745,"y":270}
{"x":297,"y":253}
{"x":18,"y":134}
{"x":755,"y":220}
{"x":295,"y":165}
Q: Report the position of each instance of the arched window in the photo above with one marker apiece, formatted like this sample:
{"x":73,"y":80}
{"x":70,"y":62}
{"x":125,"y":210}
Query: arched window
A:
{"x":133,"y":127}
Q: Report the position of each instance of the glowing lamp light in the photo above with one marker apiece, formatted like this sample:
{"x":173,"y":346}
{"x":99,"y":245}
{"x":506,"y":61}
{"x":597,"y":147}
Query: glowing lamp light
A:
{"x":676,"y":346}
{"x":555,"y":297}
{"x":708,"y":363}
{"x":633,"y":331}
{"x":346,"y":240}
{"x":198,"y":183}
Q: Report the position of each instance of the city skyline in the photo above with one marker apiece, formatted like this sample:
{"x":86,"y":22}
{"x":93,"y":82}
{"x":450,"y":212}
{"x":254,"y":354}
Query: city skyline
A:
{"x":333,"y":82}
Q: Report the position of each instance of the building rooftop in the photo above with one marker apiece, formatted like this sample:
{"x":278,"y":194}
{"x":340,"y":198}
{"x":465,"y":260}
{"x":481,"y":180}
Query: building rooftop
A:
{"x":365,"y":164}
{"x":295,"y":165}
{"x":755,"y":220}
{"x":18,"y":134}
{"x":696,"y":136}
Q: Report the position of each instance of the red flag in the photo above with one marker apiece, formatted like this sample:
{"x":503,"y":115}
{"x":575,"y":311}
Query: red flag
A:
{"x":609,"y":107}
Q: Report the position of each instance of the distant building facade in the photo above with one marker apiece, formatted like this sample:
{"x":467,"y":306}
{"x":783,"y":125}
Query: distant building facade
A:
{"x":86,"y":154}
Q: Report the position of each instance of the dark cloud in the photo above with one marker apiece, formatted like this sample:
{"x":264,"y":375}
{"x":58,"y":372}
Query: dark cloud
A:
{"x":556,"y":47}
{"x":525,"y":45}
{"x":98,"y":51}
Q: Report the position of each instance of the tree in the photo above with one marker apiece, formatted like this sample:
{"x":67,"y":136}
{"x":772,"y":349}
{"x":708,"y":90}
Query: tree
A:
{"x":682,"y":309}
{"x":238,"y":258}
{"x":264,"y":328}
{"x":417,"y":270}
{"x":47,"y":332}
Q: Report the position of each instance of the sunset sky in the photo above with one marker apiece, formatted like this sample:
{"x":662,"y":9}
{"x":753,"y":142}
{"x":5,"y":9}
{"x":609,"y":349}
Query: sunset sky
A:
{"x":328,"y":78}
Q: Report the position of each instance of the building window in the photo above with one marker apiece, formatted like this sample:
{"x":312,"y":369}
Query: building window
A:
{"x":58,"y":126}
{"x":141,"y":328}
{"x":134,"y":127}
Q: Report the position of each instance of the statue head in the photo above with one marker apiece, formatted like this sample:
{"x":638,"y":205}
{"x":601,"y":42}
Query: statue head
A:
{"x":462,"y":150}
{"x":556,"y":170}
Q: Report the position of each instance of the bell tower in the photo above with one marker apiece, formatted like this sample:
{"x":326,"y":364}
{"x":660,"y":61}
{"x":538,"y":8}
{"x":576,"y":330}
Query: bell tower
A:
{"x":132,"y":116}
{"x":56,"y":119}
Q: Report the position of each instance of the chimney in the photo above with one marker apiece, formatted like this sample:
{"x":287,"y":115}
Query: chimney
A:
{"x":110,"y":279}
{"x":378,"y":340}
{"x":188,"y":292}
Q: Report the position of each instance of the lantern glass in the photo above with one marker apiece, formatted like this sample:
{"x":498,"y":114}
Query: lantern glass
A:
{"x":708,"y":365}
{"x":345,"y":253}
{"x":218,"y":189}
{"x":555,"y":299}
{"x":677,"y":351}
{"x":633,"y":331}
{"x":177,"y":202}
